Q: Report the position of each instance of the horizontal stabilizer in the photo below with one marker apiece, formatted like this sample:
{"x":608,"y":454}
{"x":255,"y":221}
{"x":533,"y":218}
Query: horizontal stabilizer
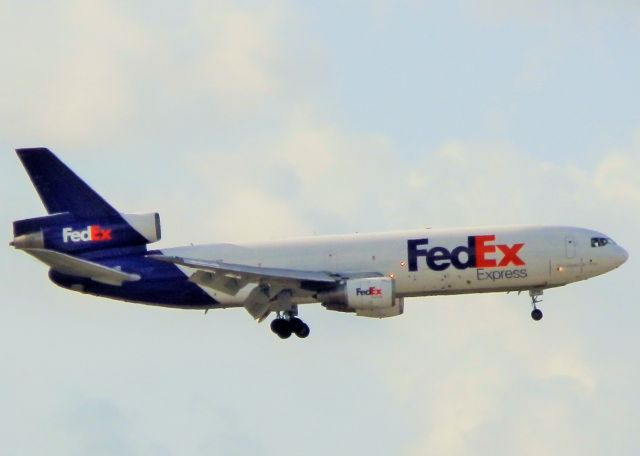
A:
{"x":73,"y":266}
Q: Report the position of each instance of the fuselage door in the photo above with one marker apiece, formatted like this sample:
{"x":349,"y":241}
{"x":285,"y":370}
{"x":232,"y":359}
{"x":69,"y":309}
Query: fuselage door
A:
{"x":570,"y":246}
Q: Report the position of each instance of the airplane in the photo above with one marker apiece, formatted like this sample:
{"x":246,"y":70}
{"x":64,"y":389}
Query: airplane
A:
{"x":92,"y":248}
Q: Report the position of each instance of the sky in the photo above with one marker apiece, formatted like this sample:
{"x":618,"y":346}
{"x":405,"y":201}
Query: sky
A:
{"x":247,"y":120}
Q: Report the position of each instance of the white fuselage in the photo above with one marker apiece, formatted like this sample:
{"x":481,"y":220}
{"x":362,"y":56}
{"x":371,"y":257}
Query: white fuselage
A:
{"x":433,"y":261}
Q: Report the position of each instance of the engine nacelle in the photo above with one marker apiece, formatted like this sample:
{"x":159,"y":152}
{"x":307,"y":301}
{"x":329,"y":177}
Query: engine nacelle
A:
{"x":148,"y":225}
{"x":367,"y":297}
{"x":70,"y":233}
{"x":397,"y":308}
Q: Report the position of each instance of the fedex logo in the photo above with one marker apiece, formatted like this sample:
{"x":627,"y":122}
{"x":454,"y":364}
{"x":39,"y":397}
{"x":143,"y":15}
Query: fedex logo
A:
{"x":371,"y":291}
{"x":93,"y":233}
{"x":480,"y":252}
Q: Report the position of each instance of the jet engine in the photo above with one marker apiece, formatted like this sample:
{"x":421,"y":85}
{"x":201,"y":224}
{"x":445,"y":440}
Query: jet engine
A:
{"x":70,"y":233}
{"x":366,"y":297}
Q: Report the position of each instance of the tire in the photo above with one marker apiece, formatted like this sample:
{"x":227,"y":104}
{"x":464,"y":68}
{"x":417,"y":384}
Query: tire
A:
{"x":296,"y":324}
{"x":282,"y":328}
{"x":536,"y":314}
{"x":304,"y":331}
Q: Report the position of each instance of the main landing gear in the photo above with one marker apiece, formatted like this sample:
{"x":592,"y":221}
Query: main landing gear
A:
{"x":536,"y":313}
{"x":286,"y":324}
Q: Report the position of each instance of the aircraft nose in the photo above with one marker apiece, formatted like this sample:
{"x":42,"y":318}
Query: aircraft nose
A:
{"x":621,"y":256}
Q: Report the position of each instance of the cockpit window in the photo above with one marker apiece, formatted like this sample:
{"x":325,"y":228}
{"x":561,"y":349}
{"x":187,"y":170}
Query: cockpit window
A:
{"x":600,"y":242}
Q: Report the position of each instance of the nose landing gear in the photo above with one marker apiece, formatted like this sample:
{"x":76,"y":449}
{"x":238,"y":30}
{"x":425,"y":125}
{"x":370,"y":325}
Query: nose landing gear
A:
{"x":536,"y":313}
{"x":286,"y":324}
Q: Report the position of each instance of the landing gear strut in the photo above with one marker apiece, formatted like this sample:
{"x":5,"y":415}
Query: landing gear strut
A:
{"x":536,"y":313}
{"x":286,"y":323}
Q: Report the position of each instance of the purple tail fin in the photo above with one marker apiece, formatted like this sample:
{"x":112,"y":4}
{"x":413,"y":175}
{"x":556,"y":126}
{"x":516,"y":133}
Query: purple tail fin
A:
{"x":59,"y":188}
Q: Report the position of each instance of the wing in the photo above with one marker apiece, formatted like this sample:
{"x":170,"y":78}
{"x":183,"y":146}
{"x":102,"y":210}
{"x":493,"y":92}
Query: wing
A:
{"x":276,"y":285}
{"x":252,"y":273}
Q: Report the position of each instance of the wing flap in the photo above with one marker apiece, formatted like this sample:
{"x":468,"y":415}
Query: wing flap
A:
{"x":258,"y":304}
{"x":219,"y":282}
{"x":67,"y":264}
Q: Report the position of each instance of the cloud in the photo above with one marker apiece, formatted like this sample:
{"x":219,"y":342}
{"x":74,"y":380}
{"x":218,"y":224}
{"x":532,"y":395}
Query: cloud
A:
{"x":241,"y":53}
{"x":365,"y":178}
{"x":617,"y":178}
{"x":71,"y":87}
{"x":343,"y":175}
{"x":501,"y":383}
{"x":98,"y":70}
{"x":248,"y":213}
{"x":547,"y":10}
{"x":100,"y":428}
{"x":317,"y":177}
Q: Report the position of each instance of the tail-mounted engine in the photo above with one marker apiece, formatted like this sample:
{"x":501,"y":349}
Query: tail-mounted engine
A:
{"x":70,"y":233}
{"x":367,"y":297}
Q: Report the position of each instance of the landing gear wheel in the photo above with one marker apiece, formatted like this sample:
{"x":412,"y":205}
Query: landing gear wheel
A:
{"x":303,"y":330}
{"x":299,"y":327}
{"x":535,"y":294}
{"x":287,"y":325}
{"x":536,"y":314}
{"x":282,"y":328}
{"x":296,"y":324}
